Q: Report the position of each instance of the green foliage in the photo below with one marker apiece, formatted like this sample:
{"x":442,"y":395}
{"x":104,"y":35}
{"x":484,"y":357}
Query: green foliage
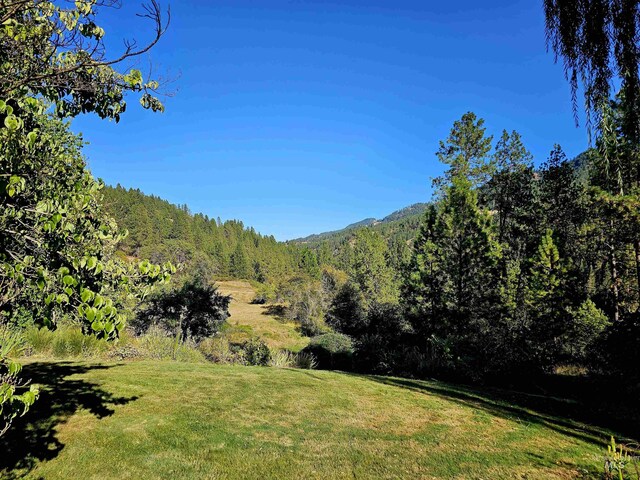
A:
{"x":194,"y":311}
{"x":466,"y":152}
{"x":15,"y":398}
{"x":370,"y":269}
{"x":202,"y":245}
{"x":217,"y":349}
{"x":256,"y":352}
{"x":452,"y":283}
{"x":588,"y":322}
{"x":332,"y":351}
{"x":618,"y":463}
{"x":56,"y":52}
{"x":158,"y":345}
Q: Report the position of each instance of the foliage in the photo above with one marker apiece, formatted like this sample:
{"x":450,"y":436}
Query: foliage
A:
{"x":164,"y":232}
{"x":217,"y":349}
{"x":597,"y":42}
{"x":55,"y":241}
{"x":194,"y":311}
{"x":618,"y":462}
{"x":56,"y":52}
{"x":255,"y":352}
{"x":332,"y":351}
{"x":466,"y":152}
{"x":12,"y":402}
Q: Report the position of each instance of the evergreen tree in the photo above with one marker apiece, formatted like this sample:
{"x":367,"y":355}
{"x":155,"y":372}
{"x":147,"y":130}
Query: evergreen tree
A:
{"x":466,"y":152}
{"x":369,"y":267}
{"x":238,"y":265}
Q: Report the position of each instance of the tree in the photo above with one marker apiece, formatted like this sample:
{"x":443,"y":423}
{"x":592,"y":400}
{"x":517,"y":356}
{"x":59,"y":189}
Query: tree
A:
{"x":466,"y":152}
{"x":370,"y":270}
{"x":55,"y":242}
{"x":194,"y":311}
{"x":510,"y":191}
{"x":451,"y":285}
{"x":547,"y":302}
{"x":57,"y":53}
{"x":238,"y":264}
{"x":598,"y":41}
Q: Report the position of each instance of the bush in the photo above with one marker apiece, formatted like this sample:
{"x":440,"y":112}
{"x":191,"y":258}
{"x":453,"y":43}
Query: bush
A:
{"x":306,"y":360}
{"x":125,"y":352}
{"x":218,"y":350}
{"x":255,"y":352}
{"x":282,"y":359}
{"x":332,"y":351}
{"x":617,"y":353}
{"x":156,"y":344}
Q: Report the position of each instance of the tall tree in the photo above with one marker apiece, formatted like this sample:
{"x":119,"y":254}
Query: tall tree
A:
{"x":370,"y":268}
{"x":466,"y":152}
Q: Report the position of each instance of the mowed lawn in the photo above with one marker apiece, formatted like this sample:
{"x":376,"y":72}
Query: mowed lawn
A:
{"x":250,"y":320}
{"x":166,"y":420}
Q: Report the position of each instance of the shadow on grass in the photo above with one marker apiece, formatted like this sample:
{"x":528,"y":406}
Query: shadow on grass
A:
{"x":576,"y":418}
{"x":277,"y":311}
{"x":33,"y":438}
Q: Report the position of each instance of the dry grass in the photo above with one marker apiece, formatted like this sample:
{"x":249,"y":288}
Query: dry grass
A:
{"x":249,"y":320}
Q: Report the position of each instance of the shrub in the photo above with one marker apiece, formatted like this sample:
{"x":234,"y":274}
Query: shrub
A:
{"x":156,"y":344}
{"x":306,"y":360}
{"x":125,"y":352}
{"x":282,"y":359}
{"x":332,"y":351}
{"x":195,"y":311}
{"x":218,"y":350}
{"x":256,"y":352}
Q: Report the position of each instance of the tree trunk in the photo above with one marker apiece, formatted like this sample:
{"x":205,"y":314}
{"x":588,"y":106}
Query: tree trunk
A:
{"x":614,"y":282}
{"x":636,"y":247}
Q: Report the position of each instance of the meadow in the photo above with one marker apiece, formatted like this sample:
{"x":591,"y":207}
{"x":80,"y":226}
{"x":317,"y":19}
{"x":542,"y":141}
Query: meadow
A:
{"x":154,"y":419}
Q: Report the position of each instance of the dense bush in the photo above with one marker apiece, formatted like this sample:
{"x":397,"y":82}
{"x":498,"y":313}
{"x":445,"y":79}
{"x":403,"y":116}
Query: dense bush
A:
{"x":332,"y":351}
{"x":255,"y":352}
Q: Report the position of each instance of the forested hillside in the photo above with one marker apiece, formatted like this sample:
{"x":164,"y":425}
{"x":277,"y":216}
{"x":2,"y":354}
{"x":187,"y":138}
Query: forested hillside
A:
{"x":163,"y":232}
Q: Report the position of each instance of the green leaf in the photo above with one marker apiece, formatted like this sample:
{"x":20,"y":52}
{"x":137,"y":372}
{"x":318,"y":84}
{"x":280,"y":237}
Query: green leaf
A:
{"x":12,"y":122}
{"x":14,"y":368}
{"x":86,"y":295}
{"x":97,"y":326}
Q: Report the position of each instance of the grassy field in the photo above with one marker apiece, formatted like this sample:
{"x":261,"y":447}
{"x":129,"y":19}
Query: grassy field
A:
{"x":171,"y":420}
{"x":249,"y":320}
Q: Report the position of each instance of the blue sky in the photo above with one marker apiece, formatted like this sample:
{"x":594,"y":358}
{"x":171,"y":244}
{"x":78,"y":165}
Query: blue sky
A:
{"x":298,"y":117}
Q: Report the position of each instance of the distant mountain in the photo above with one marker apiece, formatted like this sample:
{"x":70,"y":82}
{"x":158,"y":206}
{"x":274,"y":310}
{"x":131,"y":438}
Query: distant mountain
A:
{"x":411,"y":210}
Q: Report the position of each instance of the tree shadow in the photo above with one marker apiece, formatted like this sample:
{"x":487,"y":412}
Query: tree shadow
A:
{"x":573,"y":417}
{"x":277,"y":311}
{"x":33,"y":438}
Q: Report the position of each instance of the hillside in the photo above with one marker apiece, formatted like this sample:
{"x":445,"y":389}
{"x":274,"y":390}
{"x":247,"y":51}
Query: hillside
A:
{"x":161,"y":231}
{"x":411,"y":211}
{"x":251,"y":320}
{"x":143,"y":420}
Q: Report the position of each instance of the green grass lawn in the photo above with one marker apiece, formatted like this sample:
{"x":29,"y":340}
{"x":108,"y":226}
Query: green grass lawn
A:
{"x":149,"y":419}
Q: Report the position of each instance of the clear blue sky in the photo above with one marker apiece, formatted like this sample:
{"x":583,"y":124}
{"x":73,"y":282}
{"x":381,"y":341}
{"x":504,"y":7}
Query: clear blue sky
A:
{"x":298,"y":117}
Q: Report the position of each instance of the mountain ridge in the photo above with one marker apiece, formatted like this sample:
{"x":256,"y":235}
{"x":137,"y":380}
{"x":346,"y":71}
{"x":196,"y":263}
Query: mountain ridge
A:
{"x":413,"y":209}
